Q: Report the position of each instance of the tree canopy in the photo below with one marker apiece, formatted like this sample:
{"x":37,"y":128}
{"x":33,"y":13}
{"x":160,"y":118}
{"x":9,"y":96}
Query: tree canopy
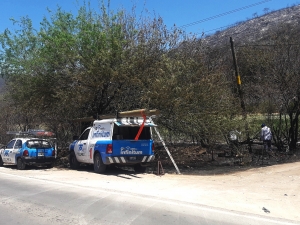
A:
{"x":98,"y":62}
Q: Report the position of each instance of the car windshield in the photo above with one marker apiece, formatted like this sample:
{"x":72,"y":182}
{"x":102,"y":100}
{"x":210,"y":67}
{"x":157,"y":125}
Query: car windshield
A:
{"x":38,"y":144}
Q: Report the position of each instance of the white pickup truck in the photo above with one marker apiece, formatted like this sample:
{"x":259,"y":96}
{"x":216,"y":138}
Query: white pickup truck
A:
{"x":122,"y":141}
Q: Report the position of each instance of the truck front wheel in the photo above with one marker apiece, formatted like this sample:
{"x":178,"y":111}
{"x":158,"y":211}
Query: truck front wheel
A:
{"x":74,"y":164}
{"x":99,"y":167}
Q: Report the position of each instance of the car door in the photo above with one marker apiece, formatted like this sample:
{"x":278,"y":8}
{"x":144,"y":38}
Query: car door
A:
{"x":16,"y":150}
{"x":7,"y":153}
{"x":81,"y":147}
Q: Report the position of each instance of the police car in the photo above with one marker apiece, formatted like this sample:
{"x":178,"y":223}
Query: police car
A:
{"x":22,"y":151}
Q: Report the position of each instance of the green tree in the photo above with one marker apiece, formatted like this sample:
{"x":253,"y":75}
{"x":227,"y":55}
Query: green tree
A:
{"x":99,"y":62}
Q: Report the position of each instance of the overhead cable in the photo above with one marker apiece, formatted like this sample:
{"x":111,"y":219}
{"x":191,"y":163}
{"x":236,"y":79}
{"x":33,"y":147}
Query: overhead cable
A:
{"x":224,"y":14}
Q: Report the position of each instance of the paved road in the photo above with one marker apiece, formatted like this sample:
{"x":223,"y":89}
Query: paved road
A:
{"x":35,"y":198}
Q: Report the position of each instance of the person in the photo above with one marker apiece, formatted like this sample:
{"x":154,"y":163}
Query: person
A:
{"x":266,"y":137}
{"x":233,"y":136}
{"x":234,"y":140}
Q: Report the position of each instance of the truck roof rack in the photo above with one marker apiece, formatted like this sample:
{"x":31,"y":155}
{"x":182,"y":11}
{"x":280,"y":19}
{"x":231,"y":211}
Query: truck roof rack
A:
{"x":132,"y":113}
{"x":138,"y":113}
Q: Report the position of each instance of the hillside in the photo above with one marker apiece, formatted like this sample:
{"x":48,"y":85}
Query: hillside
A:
{"x":257,"y":28}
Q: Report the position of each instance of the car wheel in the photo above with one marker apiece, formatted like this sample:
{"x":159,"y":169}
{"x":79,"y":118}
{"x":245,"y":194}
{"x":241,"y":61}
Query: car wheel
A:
{"x":99,"y":167}
{"x":1,"y":161}
{"x":20,"y":164}
{"x":139,"y":168}
{"x":74,"y":164}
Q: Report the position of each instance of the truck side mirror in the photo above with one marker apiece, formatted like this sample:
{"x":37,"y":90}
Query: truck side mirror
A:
{"x":75,"y":138}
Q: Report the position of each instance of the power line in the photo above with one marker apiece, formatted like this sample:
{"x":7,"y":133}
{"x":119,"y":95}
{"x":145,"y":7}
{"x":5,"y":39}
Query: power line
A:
{"x":244,"y":31}
{"x":219,"y":28}
{"x":228,"y":32}
{"x":224,"y":14}
{"x":266,"y":45}
{"x":208,"y":32}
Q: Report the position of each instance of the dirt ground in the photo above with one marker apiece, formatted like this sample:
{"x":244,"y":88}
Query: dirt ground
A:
{"x":193,"y":160}
{"x":269,"y":189}
{"x":265,"y":188}
{"x":259,"y":184}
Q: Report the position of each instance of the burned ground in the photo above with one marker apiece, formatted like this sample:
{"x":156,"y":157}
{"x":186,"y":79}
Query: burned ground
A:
{"x":196,"y":160}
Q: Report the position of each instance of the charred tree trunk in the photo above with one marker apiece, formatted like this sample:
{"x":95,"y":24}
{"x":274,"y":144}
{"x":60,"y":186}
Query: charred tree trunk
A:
{"x":294,"y":127}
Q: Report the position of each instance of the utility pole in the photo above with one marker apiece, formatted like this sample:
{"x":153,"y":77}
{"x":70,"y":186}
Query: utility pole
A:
{"x":238,"y":77}
{"x":239,"y":83}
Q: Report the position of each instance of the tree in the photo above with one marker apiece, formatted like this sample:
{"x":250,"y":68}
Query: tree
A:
{"x":270,"y":70}
{"x":101,"y":62}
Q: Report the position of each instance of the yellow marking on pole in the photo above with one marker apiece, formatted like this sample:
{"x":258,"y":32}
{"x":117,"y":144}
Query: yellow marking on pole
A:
{"x":238,"y":80}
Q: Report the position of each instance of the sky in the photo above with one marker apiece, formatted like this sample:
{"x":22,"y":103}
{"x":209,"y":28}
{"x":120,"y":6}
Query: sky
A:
{"x":194,"y":16}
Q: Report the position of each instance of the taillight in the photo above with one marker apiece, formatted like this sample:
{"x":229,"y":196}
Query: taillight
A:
{"x":109,"y":149}
{"x":153,"y":147}
{"x":53,"y":152}
{"x":25,"y":153}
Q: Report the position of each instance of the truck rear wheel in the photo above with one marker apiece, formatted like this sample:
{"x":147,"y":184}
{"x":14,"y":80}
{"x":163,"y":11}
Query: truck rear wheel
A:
{"x":99,"y":167}
{"x":139,"y":168}
{"x":74,"y":164}
{"x":20,"y":164}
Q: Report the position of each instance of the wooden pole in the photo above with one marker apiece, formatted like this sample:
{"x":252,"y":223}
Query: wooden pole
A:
{"x":240,"y":92}
{"x":238,"y":77}
{"x":138,"y":113}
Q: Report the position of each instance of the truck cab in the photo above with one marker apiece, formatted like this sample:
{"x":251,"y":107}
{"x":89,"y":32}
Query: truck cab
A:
{"x":116,"y":141}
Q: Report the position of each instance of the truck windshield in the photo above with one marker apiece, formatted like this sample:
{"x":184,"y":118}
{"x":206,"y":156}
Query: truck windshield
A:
{"x":129,"y":132}
{"x":38,"y":144}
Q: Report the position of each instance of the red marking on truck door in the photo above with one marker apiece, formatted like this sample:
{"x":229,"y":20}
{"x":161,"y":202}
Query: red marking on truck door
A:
{"x":91,"y":150}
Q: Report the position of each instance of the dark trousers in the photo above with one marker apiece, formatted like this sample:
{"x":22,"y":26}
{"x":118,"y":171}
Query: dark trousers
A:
{"x":267,"y":145}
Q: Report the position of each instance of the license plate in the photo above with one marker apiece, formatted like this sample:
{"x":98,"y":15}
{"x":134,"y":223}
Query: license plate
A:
{"x":132,"y":158}
{"x":40,"y":154}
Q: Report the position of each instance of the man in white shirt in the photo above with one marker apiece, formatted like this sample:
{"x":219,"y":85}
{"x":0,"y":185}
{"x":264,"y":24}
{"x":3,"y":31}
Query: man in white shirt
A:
{"x":266,"y":137}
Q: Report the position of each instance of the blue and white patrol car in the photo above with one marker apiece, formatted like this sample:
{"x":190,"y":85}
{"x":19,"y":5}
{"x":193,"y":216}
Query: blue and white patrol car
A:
{"x":27,"y":151}
{"x":117,"y":141}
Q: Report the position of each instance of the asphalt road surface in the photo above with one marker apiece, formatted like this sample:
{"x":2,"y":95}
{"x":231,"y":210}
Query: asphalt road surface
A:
{"x":32,"y":197}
